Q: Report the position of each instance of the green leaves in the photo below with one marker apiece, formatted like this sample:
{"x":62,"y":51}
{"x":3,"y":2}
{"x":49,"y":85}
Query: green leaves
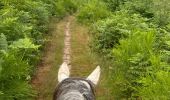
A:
{"x":156,"y":87}
{"x":3,"y":42}
{"x":137,"y":57}
{"x":24,"y":44}
{"x":23,"y":23}
{"x":13,"y":77}
{"x":92,"y":12}
{"x":114,"y":4}
{"x":0,"y":65}
{"x":64,"y":7}
{"x":135,"y":38}
{"x":110,"y":31}
{"x":3,"y":49}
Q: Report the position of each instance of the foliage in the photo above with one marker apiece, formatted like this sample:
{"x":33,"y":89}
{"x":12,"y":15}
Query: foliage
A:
{"x":3,"y":43}
{"x":13,"y":78}
{"x":69,"y":6}
{"x":157,"y":86}
{"x":114,"y":4}
{"x":133,"y":35}
{"x":23,"y":43}
{"x":13,"y":75}
{"x":91,"y":12}
{"x":109,"y":31}
{"x":156,"y":10}
{"x":137,"y":59}
{"x":23,"y":23}
{"x":3,"y":48}
{"x":51,"y":6}
{"x":134,"y":38}
{"x":64,"y":7}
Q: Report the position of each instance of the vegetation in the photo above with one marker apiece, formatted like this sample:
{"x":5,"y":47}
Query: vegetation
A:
{"x":91,"y":12}
{"x":132,"y":35}
{"x":134,"y":38}
{"x":22,"y":29}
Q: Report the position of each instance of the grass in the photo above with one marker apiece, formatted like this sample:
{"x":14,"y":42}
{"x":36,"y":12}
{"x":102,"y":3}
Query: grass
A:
{"x":52,"y":59}
{"x":83,"y":61}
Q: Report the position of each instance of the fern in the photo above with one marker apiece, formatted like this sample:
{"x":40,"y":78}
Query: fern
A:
{"x":23,"y":43}
{"x":23,"y":23}
{"x":3,"y":42}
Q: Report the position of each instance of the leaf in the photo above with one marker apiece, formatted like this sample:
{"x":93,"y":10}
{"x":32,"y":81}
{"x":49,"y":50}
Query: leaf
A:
{"x":3,"y":42}
{"x":24,"y":43}
{"x":0,"y":66}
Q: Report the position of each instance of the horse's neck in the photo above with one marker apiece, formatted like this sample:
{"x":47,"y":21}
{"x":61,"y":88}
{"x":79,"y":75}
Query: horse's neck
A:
{"x":74,"y":89}
{"x":71,"y":95}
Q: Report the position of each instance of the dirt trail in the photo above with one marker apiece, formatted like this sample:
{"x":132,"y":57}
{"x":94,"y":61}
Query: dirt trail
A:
{"x":45,"y":78}
{"x":69,"y":43}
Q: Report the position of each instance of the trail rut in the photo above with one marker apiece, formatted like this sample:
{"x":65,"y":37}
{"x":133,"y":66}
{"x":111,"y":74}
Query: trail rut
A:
{"x":68,"y":43}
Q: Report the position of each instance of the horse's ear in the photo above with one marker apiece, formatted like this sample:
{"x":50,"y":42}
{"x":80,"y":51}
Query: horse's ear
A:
{"x":63,"y":72}
{"x":95,"y":75}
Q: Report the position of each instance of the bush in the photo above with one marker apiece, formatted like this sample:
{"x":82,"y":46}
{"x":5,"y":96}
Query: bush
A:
{"x":92,"y":12}
{"x":69,"y":6}
{"x":51,"y":6}
{"x":15,"y":69}
{"x":155,"y":87}
{"x":22,"y":26}
{"x":13,"y":78}
{"x":11,"y":26}
{"x":138,"y":62}
{"x":135,"y":37}
{"x":109,"y":31}
{"x":65,"y":7}
{"x":23,"y":23}
{"x":156,"y":10}
{"x":114,"y":4}
{"x":60,"y":10}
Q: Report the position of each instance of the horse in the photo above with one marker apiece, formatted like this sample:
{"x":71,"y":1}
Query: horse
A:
{"x":75,"y":88}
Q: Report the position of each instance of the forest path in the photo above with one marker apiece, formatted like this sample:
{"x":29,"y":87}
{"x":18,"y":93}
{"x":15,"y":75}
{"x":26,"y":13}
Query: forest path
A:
{"x":68,"y":42}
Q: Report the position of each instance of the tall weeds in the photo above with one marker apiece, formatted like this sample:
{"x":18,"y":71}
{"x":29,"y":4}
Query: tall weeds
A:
{"x":22,"y":28}
{"x":134,"y":38}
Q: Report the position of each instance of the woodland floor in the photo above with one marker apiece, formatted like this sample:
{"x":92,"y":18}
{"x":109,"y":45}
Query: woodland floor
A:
{"x":82,"y":61}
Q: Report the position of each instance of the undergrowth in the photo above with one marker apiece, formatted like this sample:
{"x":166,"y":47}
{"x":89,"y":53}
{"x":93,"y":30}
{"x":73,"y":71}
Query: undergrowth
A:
{"x":134,"y":38}
{"x":23,"y":26}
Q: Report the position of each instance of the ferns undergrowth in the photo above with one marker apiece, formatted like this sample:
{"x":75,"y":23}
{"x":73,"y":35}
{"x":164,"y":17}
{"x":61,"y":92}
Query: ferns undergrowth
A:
{"x":23,"y":24}
{"x":134,"y":37}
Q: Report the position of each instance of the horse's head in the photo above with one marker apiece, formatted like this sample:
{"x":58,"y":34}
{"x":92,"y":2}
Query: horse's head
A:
{"x":75,"y":88}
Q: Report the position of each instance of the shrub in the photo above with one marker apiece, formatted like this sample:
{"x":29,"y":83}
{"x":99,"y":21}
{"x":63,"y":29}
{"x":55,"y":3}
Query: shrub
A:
{"x":69,"y":6}
{"x":51,"y":6}
{"x":114,"y":4}
{"x":60,"y":10}
{"x":14,"y":72}
{"x":139,"y":6}
{"x":11,"y":26}
{"x":137,"y":60}
{"x":109,"y":31}
{"x":22,"y":26}
{"x":13,"y":78}
{"x":155,"y":87}
{"x":161,"y":12}
{"x":136,"y":39}
{"x":92,"y":12}
{"x":156,"y":10}
{"x":65,"y":7}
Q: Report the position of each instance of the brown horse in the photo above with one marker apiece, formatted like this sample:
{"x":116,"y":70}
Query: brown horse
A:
{"x":75,"y":88}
